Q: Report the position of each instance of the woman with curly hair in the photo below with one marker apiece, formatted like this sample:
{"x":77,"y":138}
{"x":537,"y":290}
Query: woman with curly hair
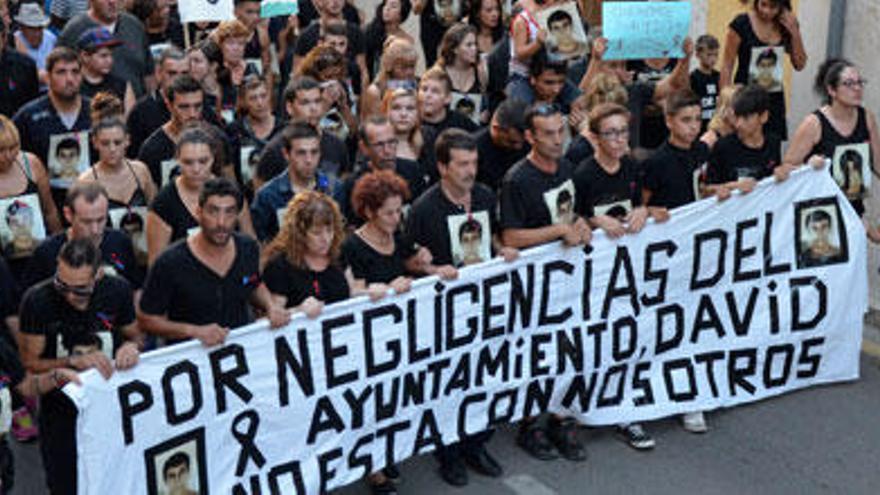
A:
{"x":303,"y":271}
{"x":398,"y":70}
{"x":401,"y":106}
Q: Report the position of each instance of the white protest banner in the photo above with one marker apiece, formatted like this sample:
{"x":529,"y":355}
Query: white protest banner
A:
{"x":637,"y":30}
{"x":205,"y":10}
{"x":272,"y":8}
{"x":726,"y":303}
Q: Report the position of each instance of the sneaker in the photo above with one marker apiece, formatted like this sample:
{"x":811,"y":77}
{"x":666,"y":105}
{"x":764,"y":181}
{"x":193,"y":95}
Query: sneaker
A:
{"x":454,"y":472}
{"x":533,"y":439}
{"x":563,"y":434}
{"x":636,"y":436}
{"x":23,"y":427}
{"x":694,"y":422}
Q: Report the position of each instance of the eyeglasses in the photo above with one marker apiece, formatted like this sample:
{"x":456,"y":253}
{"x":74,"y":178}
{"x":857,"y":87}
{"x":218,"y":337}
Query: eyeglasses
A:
{"x":614,"y":134}
{"x":76,"y":290}
{"x":854,"y":83}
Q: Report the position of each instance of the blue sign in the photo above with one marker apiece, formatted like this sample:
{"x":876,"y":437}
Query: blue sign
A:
{"x":637,"y":30}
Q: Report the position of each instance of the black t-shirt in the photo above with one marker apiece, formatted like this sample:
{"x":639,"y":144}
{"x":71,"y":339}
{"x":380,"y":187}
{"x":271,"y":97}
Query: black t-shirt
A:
{"x":117,"y":255}
{"x":408,"y":170}
{"x":38,"y":121}
{"x":601,"y":193}
{"x":494,"y":162}
{"x":147,"y":115}
{"x":372,"y":266}
{"x":532,"y":199}
{"x":183,"y":289}
{"x":170,"y":208}
{"x":831,"y":139}
{"x":431,"y":132}
{"x":732,"y":160}
{"x":434,"y":221}
{"x":45,"y":312}
{"x":334,"y":157}
{"x":298,"y":284}
{"x":672,"y":174}
{"x":311,"y":35}
{"x":110,"y":84}
{"x":157,"y":148}
{"x":706,"y":86}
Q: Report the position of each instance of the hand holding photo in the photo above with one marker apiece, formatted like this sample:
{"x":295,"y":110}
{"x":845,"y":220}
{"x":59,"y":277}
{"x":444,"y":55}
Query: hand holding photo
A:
{"x":566,"y":36}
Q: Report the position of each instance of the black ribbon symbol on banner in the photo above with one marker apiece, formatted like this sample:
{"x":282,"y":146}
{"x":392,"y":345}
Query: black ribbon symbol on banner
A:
{"x":245,"y":438}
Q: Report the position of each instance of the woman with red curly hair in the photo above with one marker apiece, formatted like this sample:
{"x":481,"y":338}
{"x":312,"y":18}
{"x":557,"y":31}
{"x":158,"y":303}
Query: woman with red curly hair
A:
{"x":303,"y":271}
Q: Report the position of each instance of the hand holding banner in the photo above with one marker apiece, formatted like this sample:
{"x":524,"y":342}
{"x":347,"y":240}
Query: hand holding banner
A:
{"x":637,"y":30}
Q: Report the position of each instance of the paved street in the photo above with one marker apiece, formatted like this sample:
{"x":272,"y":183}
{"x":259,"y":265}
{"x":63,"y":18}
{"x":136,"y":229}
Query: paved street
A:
{"x":821,"y":440}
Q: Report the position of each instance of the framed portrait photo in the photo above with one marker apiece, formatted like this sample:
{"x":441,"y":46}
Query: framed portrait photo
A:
{"x":178,"y":466}
{"x":566,"y":38}
{"x":820,"y":237}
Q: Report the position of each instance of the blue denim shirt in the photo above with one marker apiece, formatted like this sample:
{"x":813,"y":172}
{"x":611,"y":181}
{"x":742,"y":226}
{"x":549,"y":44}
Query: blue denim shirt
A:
{"x":274,"y":196}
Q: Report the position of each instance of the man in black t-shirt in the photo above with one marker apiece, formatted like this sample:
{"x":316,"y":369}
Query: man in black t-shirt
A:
{"x":501,"y":144}
{"x":202,"y":286}
{"x":748,"y":155}
{"x":185,"y":100}
{"x":85,"y":209}
{"x":150,"y":112}
{"x":530,"y":216}
{"x":455,"y":219}
{"x":378,"y":145}
{"x":302,"y":101}
{"x":80,"y":305}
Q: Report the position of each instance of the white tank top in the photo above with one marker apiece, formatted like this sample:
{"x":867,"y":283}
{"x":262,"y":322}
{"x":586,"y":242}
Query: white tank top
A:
{"x":517,"y":66}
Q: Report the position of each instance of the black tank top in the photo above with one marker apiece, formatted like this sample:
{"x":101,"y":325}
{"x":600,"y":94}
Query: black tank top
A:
{"x":831,"y":139}
{"x":742,"y":26}
{"x":138,"y":197}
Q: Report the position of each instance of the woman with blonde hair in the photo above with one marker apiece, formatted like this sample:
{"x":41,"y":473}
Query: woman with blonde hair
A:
{"x":402,"y":109}
{"x":22,"y":174}
{"x":303,"y":269}
{"x":397,"y":70}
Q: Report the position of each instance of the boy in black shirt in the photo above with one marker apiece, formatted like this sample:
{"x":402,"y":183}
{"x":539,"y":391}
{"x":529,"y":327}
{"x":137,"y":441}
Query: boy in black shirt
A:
{"x":435,"y":95}
{"x":200,"y":286}
{"x":705,"y":80}
{"x":740,"y":159}
{"x":56,"y":315}
{"x":673,"y":173}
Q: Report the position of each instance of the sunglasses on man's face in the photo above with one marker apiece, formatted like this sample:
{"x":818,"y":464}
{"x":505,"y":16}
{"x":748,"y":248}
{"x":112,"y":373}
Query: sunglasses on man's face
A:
{"x":76,"y":290}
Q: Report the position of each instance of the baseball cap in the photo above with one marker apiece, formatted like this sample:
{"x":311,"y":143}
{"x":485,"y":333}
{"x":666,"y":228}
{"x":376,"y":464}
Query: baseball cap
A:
{"x":96,"y":38}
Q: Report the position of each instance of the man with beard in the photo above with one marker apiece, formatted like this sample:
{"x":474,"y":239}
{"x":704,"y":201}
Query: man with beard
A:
{"x":61,"y":111}
{"x":201,"y":286}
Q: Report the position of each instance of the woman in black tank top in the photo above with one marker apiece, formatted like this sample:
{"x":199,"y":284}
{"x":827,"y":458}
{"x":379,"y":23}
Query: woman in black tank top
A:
{"x":22,"y":173}
{"x":460,"y":59}
{"x":128,"y":182}
{"x":842,"y":130}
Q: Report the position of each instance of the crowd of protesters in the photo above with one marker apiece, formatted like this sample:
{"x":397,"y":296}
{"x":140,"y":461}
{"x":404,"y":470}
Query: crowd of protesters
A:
{"x":163,"y":182}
